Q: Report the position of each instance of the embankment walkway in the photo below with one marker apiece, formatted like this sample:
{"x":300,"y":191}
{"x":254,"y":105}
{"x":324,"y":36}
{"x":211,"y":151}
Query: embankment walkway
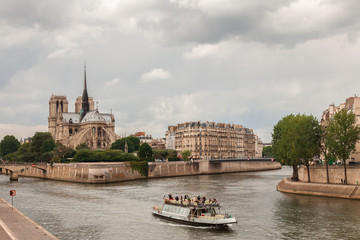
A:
{"x":319,"y":189}
{"x":14,"y":225}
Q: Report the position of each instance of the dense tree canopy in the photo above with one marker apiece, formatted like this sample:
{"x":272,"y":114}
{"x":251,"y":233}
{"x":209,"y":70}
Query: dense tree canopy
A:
{"x":132,"y":142}
{"x":9,"y":144}
{"x":47,"y":146}
{"x":342,"y":136}
{"x":82,"y":146}
{"x":185,"y":155}
{"x":267,"y":152}
{"x":85,"y":155}
{"x":164,"y":153}
{"x":296,"y":140}
{"x":38,"y":139}
{"x":145,"y":152}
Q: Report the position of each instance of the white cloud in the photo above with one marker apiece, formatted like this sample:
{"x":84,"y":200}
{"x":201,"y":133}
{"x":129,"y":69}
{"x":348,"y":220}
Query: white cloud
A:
{"x":112,"y":82}
{"x":155,"y":75}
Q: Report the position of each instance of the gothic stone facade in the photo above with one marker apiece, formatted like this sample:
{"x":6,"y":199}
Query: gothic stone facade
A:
{"x":213,"y":140}
{"x":85,"y":125}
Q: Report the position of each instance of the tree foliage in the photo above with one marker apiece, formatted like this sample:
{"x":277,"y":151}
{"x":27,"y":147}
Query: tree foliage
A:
{"x":267,"y":152}
{"x":185,"y":155}
{"x":29,"y":157}
{"x":63,"y":152}
{"x":145,"y":152}
{"x":82,"y":146}
{"x":47,"y":146}
{"x":164,"y":153}
{"x":24,"y":148}
{"x":86,"y":155}
{"x":296,"y":140}
{"x":132,"y":142}
{"x":38,"y":139}
{"x":342,"y":136}
{"x":9,"y":144}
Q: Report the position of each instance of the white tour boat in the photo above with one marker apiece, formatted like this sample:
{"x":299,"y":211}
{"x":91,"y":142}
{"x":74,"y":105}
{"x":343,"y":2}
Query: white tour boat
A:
{"x":193,"y":213}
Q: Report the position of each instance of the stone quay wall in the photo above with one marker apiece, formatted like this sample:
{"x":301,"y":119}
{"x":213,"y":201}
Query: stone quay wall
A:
{"x":336,"y":174}
{"x":117,"y":172}
{"x":319,"y":189}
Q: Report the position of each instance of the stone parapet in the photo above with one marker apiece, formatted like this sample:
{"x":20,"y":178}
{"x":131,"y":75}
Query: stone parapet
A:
{"x":336,"y":174}
{"x":319,"y":189}
{"x":120,"y":171}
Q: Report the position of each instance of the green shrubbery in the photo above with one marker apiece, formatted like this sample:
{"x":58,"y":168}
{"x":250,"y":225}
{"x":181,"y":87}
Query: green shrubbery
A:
{"x":140,"y":167}
{"x":110,"y":155}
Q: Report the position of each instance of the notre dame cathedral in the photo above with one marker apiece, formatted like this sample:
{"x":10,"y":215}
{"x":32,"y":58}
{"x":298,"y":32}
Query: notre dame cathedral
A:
{"x":85,"y":125}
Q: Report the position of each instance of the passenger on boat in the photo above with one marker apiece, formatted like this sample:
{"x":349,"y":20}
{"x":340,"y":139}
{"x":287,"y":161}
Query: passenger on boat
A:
{"x":170,"y":196}
{"x":176,"y":197}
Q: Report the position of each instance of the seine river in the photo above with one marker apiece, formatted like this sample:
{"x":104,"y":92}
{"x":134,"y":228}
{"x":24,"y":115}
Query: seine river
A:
{"x":123,"y":210}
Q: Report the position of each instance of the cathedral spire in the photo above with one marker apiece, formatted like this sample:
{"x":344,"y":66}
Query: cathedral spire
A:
{"x":85,"y":98}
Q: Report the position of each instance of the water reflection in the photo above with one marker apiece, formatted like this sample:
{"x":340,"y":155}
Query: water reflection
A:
{"x":301,"y":217}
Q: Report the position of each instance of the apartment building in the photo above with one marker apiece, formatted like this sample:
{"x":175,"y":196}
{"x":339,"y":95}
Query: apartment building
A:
{"x":213,"y":140}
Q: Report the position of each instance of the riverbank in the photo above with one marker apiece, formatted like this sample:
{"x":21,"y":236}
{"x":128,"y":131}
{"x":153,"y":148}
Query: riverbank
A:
{"x":14,"y":225}
{"x":117,"y":172}
{"x":319,"y":189}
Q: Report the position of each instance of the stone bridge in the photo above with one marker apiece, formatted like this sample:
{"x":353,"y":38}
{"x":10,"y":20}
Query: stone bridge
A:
{"x":15,"y":168}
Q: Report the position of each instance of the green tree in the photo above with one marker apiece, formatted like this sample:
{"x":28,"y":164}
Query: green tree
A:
{"x":296,"y":140}
{"x":47,"y":146}
{"x":82,"y":146}
{"x":24,"y":148}
{"x":85,"y":155}
{"x":267,"y":152}
{"x":164,"y":153}
{"x":342,"y":136}
{"x":145,"y":152}
{"x":29,"y":157}
{"x":46,"y":157}
{"x":12,"y":157}
{"x":132,"y":142}
{"x":38,"y":139}
{"x":325,"y":151}
{"x":308,"y":140}
{"x":9,"y":144}
{"x":62,"y":151}
{"x":185,"y":155}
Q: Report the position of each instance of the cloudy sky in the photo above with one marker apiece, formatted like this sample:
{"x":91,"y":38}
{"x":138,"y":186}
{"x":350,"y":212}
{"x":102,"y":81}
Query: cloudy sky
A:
{"x":157,"y":63}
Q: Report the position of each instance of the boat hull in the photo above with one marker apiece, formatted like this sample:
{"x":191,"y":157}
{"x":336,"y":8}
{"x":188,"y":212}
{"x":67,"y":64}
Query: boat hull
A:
{"x":192,"y":223}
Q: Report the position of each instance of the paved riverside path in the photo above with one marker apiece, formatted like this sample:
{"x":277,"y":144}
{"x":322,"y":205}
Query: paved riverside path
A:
{"x":14,"y":225}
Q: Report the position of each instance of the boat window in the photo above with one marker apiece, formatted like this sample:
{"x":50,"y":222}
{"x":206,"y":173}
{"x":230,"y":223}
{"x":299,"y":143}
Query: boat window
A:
{"x":178,"y":210}
{"x":166,"y":208}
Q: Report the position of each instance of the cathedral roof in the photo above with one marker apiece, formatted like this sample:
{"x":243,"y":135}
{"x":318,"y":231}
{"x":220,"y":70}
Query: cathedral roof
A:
{"x":71,"y":117}
{"x":93,"y":116}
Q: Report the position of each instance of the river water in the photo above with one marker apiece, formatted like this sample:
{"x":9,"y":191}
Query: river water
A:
{"x":123,"y":210}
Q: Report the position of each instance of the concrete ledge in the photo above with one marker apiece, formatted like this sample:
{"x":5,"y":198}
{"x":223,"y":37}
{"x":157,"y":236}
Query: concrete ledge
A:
{"x":16,"y":225}
{"x":319,"y":189}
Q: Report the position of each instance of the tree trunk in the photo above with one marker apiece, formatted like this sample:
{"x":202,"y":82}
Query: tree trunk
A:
{"x":345,"y":180}
{"x":327,"y":172}
{"x":308,"y":171}
{"x":295,"y":176}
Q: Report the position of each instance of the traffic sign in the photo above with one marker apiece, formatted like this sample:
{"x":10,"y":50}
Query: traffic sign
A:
{"x":12,"y":193}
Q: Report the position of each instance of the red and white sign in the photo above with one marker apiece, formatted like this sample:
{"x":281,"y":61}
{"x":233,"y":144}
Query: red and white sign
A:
{"x":12,"y":193}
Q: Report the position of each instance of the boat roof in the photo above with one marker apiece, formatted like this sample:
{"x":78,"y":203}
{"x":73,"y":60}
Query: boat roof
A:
{"x":192,"y":206}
